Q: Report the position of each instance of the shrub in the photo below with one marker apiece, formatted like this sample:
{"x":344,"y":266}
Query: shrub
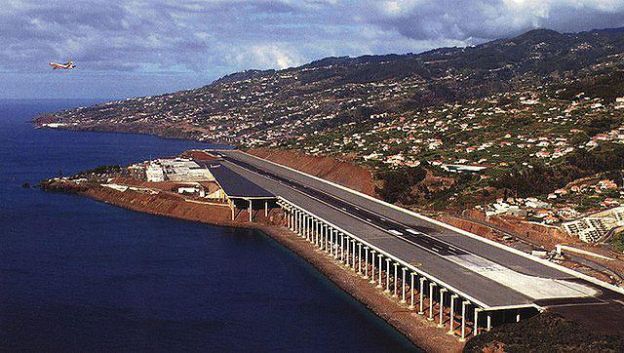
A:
{"x":398,"y":183}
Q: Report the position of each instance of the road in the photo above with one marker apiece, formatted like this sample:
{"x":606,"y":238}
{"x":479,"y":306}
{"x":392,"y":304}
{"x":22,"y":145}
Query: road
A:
{"x":493,"y":276}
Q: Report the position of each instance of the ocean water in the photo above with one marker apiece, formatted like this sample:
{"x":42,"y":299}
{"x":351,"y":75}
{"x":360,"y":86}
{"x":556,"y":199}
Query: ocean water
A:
{"x":78,"y":275}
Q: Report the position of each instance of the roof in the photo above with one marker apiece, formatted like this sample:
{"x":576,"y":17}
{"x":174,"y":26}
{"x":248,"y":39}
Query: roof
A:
{"x":235,"y":185}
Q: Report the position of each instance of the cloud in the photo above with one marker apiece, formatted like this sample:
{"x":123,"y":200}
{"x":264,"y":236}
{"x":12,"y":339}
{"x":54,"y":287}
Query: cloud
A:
{"x":210,"y":38}
{"x":480,"y":20}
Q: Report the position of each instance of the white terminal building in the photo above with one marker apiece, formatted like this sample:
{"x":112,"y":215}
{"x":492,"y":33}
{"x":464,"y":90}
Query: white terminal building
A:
{"x":177,"y":169}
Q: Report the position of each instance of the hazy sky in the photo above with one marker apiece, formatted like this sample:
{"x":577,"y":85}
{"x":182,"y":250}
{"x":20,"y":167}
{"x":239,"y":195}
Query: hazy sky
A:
{"x":135,"y":48}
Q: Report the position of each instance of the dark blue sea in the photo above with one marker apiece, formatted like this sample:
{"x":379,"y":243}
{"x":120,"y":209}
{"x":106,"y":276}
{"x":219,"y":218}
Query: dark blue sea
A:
{"x":78,"y":275}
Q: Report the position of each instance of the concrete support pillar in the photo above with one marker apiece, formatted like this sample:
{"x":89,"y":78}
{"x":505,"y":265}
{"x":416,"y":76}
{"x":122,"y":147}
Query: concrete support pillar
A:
{"x":387,"y":276}
{"x":346,"y":254}
{"x":330,"y":241}
{"x":412,"y":277}
{"x":441,"y":321}
{"x":317,"y":236}
{"x":319,"y":227}
{"x":380,"y":271}
{"x":452,"y":318}
{"x":475,"y":326}
{"x":266,"y":209}
{"x":326,"y":239}
{"x":421,"y":295}
{"x":431,"y":290}
{"x":295,"y":221}
{"x":403,"y":285}
{"x":342,"y":243}
{"x":366,"y":255}
{"x":335,"y":243}
{"x":359,"y":245}
{"x":329,"y":236}
{"x":348,"y":247}
{"x":250,"y":211}
{"x":306,"y":226}
{"x":373,"y":258}
{"x":320,"y":234}
{"x":463,"y":320}
{"x":518,"y":316}
{"x":346,"y":250}
{"x":313,"y":232}
{"x":488,"y":317}
{"x":395,"y":281}
{"x":233,"y":208}
{"x":353,"y":254}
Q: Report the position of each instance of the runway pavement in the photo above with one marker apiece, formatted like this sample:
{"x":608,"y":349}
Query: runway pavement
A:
{"x":493,"y":276}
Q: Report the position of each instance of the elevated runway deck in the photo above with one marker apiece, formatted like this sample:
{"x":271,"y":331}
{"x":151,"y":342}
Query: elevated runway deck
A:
{"x":234,"y":185}
{"x":490,"y":275}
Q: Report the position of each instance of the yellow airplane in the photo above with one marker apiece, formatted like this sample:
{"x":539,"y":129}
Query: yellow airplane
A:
{"x":66,"y":66}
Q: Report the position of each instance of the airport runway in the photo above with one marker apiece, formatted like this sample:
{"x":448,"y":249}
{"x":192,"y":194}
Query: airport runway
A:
{"x":494,"y":277}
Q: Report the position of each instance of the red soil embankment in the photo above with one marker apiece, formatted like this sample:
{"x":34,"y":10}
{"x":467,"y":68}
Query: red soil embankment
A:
{"x":162,"y":204}
{"x":469,"y":226}
{"x":340,"y":172}
{"x":543,"y":235}
{"x":476,"y":222}
{"x":537,"y":233}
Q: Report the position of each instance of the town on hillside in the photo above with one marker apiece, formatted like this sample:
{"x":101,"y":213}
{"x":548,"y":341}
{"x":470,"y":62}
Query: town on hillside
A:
{"x":526,"y":131}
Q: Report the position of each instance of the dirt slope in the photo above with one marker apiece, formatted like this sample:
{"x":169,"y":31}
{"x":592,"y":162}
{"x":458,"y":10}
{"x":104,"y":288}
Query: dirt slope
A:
{"x":546,"y":332}
{"x":341,"y":172}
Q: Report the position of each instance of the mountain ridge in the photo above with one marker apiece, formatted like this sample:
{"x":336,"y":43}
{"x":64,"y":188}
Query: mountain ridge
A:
{"x":540,"y":106}
{"x":349,"y":89}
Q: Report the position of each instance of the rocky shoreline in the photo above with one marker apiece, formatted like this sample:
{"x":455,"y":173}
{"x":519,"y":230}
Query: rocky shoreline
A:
{"x":528,"y":336}
{"x":422,"y":333}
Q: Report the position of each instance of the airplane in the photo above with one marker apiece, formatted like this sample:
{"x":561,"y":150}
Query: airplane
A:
{"x":67,"y":66}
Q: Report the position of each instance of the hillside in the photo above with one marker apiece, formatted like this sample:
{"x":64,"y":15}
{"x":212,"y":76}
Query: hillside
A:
{"x":262,"y":107}
{"x":528,"y":114}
